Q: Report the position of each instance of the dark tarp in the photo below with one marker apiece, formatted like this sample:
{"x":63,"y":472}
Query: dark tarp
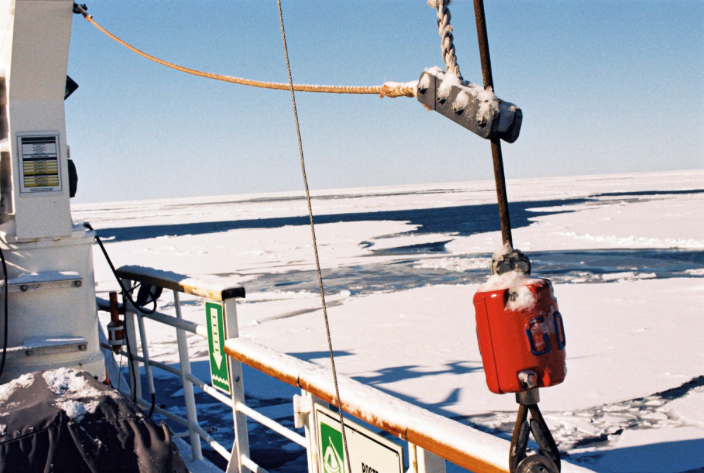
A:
{"x":37,"y":434}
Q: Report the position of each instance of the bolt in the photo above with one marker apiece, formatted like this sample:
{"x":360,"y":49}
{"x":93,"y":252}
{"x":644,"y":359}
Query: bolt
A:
{"x":237,"y":378}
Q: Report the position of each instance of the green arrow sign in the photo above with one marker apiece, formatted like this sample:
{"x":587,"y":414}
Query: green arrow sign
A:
{"x":219,"y":366}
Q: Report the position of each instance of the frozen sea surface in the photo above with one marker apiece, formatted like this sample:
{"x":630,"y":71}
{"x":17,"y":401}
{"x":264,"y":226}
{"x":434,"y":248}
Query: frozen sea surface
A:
{"x":626,"y":254}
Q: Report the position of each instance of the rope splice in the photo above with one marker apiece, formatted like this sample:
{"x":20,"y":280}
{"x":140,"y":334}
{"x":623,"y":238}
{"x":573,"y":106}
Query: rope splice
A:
{"x":388,"y":89}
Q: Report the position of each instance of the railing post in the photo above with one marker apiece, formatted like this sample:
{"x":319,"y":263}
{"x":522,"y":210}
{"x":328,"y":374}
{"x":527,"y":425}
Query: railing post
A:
{"x":189,"y":398}
{"x":134,"y":377}
{"x":241,"y":444}
{"x":412,"y":458}
{"x":310,"y":429}
{"x":145,"y":355}
{"x":429,"y":462}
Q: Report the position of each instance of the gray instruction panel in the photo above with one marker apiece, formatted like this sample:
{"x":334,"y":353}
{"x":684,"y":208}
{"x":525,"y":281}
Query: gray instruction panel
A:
{"x":40,"y":166}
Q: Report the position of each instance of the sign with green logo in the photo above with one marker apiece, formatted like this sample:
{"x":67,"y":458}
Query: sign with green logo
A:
{"x":333,"y":449}
{"x":219,"y":366}
{"x":369,"y":452}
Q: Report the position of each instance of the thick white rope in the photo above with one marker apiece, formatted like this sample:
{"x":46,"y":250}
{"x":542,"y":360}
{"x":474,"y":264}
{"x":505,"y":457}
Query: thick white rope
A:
{"x":445,"y":30}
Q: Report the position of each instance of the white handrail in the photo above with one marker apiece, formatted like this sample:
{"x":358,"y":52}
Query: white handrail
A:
{"x":253,"y":467}
{"x":463,"y":445}
{"x":272,"y":424}
{"x":211,"y":287}
{"x":180,"y":420}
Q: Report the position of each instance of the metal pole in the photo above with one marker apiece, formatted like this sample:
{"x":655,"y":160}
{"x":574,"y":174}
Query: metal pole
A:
{"x":240,"y":449}
{"x":188,"y":396}
{"x":495,"y":143}
{"x":131,"y":335}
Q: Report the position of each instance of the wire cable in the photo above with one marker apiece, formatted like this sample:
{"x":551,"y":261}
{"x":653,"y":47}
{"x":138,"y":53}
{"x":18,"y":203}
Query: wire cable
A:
{"x":315,"y":243}
{"x":127,"y":296}
{"x":6,"y":314}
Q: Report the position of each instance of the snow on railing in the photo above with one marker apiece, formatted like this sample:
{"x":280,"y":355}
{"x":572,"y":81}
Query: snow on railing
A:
{"x":423,"y":430}
{"x":210,"y":287}
{"x":467,"y":447}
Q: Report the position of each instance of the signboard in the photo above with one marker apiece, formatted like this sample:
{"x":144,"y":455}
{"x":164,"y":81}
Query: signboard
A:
{"x":219,"y":366}
{"x":39,"y":163}
{"x":369,"y":452}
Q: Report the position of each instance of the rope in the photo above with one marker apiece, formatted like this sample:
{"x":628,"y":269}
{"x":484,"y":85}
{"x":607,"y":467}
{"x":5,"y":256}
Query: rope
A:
{"x":389,"y":89}
{"x":447,"y":40}
{"x":315,"y":243}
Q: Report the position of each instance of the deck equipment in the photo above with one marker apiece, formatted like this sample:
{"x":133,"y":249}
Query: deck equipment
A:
{"x":522,"y":349}
{"x":49,"y":294}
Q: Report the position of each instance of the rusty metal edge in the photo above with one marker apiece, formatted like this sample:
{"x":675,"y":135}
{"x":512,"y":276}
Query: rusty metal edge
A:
{"x":449,"y":453}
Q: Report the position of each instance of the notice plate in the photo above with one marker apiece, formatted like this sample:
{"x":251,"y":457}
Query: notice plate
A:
{"x":40,"y":166}
{"x":219,"y":364}
{"x":369,"y":452}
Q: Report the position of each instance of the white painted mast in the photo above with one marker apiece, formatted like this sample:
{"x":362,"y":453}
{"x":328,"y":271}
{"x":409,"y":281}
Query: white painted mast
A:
{"x":52,"y":317}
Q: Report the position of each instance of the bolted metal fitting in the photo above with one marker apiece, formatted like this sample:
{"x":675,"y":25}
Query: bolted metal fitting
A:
{"x":528,"y":398}
{"x":528,"y":379}
{"x":474,"y":108}
{"x":515,"y":260}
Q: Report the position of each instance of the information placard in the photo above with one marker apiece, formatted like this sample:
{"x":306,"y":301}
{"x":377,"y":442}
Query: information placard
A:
{"x":369,"y":452}
{"x":40,"y":166}
{"x":219,"y":365}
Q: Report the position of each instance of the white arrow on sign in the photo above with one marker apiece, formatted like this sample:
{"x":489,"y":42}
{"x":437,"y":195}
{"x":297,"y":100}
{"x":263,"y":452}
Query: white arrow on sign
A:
{"x":217,"y":355}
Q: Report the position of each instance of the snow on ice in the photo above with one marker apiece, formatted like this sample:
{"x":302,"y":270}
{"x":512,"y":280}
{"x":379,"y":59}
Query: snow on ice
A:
{"x":401,"y":266}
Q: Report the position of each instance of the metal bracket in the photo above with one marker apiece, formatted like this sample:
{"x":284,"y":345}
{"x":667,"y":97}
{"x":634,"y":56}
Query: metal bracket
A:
{"x":475,"y":108}
{"x":515,"y":260}
{"x":528,"y":398}
{"x":302,"y":407}
{"x":43,"y":280}
{"x":48,"y":346}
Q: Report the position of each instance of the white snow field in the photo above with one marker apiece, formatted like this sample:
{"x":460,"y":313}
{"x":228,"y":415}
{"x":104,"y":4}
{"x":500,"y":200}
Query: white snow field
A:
{"x":401,"y":265}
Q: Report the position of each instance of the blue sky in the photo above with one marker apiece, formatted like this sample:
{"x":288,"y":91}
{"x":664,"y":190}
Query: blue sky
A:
{"x":605,"y":87}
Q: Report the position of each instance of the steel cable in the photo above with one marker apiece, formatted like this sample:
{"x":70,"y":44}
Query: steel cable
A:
{"x":6,"y":310}
{"x":315,"y":243}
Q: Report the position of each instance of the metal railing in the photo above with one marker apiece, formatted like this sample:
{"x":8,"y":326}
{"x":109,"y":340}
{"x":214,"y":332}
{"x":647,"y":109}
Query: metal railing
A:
{"x":431,"y":438}
{"x":213,"y":290}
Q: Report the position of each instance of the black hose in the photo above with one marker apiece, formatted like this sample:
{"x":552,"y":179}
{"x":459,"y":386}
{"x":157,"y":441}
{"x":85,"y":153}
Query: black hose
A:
{"x":127,"y":296}
{"x":7,"y":316}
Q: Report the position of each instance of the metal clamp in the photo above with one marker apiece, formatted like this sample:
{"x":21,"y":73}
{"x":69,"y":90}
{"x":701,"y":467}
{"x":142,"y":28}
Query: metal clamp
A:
{"x":514,"y":260}
{"x":470,"y":106}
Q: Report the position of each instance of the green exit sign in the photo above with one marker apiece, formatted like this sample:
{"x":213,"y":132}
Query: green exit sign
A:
{"x":219,"y":366}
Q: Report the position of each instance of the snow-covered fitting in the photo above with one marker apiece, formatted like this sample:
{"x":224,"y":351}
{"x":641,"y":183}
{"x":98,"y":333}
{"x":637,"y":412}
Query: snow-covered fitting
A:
{"x":472,"y":106}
